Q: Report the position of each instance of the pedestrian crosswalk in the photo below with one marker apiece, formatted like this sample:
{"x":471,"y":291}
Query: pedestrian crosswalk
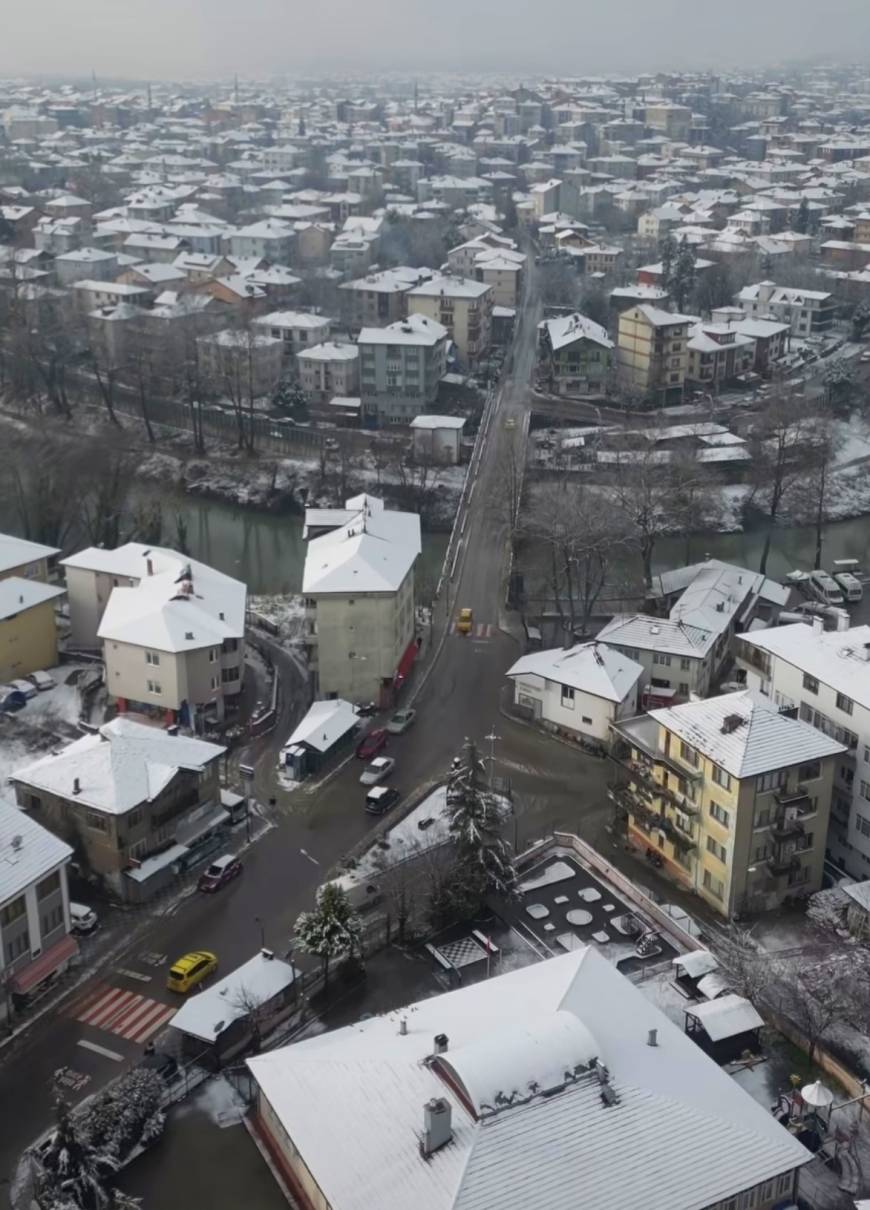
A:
{"x":126,"y":1014}
{"x":480,"y":632}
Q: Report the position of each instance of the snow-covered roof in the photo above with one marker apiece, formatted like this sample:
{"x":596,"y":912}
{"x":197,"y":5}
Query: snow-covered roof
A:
{"x":858,"y":892}
{"x":565,"y":329}
{"x":726,"y":1017}
{"x":292,"y":319}
{"x":739,"y":581}
{"x":835,"y":658}
{"x":696,"y":963}
{"x":745,"y":733}
{"x":372,"y":551}
{"x":438,"y":422}
{"x":646,"y":633}
{"x":592,"y":668}
{"x":416,"y":330}
{"x":328,"y":351}
{"x":450,"y":287}
{"x":18,"y":594}
{"x":530,"y":1128}
{"x":28,"y":851}
{"x":324,"y":724}
{"x":121,"y":766}
{"x":662,"y":319}
{"x":250,"y":985}
{"x":16,"y":552}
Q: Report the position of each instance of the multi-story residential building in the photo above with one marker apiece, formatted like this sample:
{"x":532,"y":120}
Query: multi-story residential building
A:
{"x":28,"y":560}
{"x":136,"y":801}
{"x":673,"y":121}
{"x":28,"y":626}
{"x":732,"y":794}
{"x":269,"y":238}
{"x":463,"y":307}
{"x":297,"y":330}
{"x":576,"y":355}
{"x":463,"y":258}
{"x":400,"y":367}
{"x":602,"y":259}
{"x":358,"y":585}
{"x":807,"y":312}
{"x":80,"y":264}
{"x":503,"y":270}
{"x":329,"y":370}
{"x":651,"y":352}
{"x":718,"y":353}
{"x":380,"y":298}
{"x":35,"y":945}
{"x":415,"y":1094}
{"x":825,"y":677}
{"x":242,"y":364}
{"x":172,"y":630}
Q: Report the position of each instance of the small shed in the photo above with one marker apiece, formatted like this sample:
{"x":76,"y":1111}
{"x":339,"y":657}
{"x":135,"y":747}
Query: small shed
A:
{"x":725,"y":1028}
{"x":858,"y":907}
{"x":690,"y":968}
{"x":437,"y":438}
{"x":326,"y":729}
{"x":237,"y":1011}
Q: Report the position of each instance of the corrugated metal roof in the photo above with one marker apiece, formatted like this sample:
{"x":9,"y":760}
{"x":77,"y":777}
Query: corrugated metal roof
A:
{"x":28,"y":851}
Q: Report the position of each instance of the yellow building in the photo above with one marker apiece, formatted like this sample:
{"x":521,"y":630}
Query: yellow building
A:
{"x":28,"y":628}
{"x":652,"y":352}
{"x":731,"y":794}
{"x":30,"y":560}
{"x":462,"y":306}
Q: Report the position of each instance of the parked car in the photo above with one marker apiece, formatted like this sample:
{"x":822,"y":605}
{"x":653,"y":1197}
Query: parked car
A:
{"x":376,"y":770}
{"x":190,"y":970}
{"x":380,"y":799}
{"x":42,"y":681}
{"x":401,"y":721}
{"x":373,"y":743}
{"x":82,"y":919}
{"x":26,"y":687}
{"x":221,"y":871}
{"x":11,"y":699}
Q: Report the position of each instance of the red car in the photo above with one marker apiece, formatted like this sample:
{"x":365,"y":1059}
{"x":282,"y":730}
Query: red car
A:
{"x":223,"y":870}
{"x":372,"y":744}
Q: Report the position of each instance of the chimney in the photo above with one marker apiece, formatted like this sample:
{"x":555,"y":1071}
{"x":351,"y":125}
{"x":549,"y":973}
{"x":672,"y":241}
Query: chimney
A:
{"x":437,"y":1127}
{"x":440,"y":1044}
{"x":77,"y":786}
{"x":403,"y":1026}
{"x":150,"y":567}
{"x":818,"y":625}
{"x":652,"y":1038}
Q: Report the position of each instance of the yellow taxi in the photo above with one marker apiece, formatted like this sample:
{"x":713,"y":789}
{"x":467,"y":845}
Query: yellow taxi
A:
{"x":510,"y":423}
{"x":190,"y":970}
{"x":466,"y":620}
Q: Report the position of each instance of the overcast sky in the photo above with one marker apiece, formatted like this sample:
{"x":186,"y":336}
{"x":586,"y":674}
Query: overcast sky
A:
{"x":172,"y":39}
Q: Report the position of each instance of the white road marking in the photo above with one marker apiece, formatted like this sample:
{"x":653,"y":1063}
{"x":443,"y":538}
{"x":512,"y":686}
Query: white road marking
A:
{"x":313,"y":860}
{"x":100,"y":1050}
{"x":122,"y":970}
{"x":152,"y":1026}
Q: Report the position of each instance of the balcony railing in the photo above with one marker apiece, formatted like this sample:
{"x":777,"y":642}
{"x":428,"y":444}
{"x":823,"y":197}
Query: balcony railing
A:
{"x":783,"y":863}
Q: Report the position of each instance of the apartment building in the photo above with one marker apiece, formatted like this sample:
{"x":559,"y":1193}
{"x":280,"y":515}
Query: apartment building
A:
{"x":35,"y":945}
{"x":652,"y":352}
{"x":28,"y":626}
{"x":328,"y":370}
{"x":461,"y":305}
{"x":358,"y":585}
{"x":732,"y":794}
{"x":136,"y":801}
{"x":269,"y":238}
{"x":297,"y":330}
{"x":172,"y":630}
{"x":400,"y":367}
{"x":825,"y":677}
{"x":25,"y":559}
{"x":503,"y":271}
{"x":718,"y":353}
{"x":807,"y":312}
{"x":381,"y":298}
{"x":575,"y":355}
{"x":242,"y":364}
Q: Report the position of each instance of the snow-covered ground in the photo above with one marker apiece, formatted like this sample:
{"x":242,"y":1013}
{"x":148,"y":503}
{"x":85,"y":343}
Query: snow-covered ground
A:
{"x":407,"y":838}
{"x":48,"y":721}
{"x":285,"y":612}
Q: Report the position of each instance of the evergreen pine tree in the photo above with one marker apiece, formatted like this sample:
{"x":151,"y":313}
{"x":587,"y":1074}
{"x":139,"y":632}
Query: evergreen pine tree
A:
{"x":683,"y":276}
{"x":331,"y":930}
{"x":484,"y":859}
{"x":801,"y":217}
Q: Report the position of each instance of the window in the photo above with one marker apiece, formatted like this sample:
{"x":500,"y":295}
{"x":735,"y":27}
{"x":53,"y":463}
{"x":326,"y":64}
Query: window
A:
{"x":214,"y":682}
{"x":688,"y":754}
{"x":152,"y":657}
{"x":844,"y":703}
{"x":659,"y":658}
{"x":683,"y":689}
{"x":48,"y":886}
{"x":17,"y":946}
{"x":13,"y":911}
{"x":96,"y":821}
{"x":685,"y":663}
{"x":865,"y":790}
{"x":51,"y":920}
{"x":212,"y":655}
{"x":720,"y":814}
{"x":769,"y":781}
{"x":810,"y":771}
{"x":714,"y":885}
{"x":762,"y":817}
{"x":810,"y":683}
{"x":718,"y":850}
{"x":567,"y":697}
{"x":762,"y":851}
{"x":862,"y":824}
{"x":587,"y":721}
{"x":153,"y":687}
{"x":867,"y":754}
{"x":721,"y":778}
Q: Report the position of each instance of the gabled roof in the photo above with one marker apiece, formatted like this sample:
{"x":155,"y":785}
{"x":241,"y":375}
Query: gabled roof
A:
{"x":835,"y":658}
{"x":18,"y":595}
{"x":648,"y":633}
{"x":592,"y":668}
{"x":28,"y":851}
{"x":373,"y":551}
{"x":566,"y":329}
{"x":15,"y":552}
{"x":746,"y":734}
{"x":324,"y":724}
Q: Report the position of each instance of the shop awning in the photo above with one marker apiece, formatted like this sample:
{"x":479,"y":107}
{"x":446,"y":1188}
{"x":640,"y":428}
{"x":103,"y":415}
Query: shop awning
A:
{"x":46,"y":964}
{"x":406,"y":663}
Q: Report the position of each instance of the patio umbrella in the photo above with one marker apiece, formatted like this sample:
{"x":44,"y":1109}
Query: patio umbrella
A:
{"x":817,"y":1096}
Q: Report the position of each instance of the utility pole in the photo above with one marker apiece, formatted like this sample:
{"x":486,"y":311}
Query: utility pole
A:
{"x":492,"y":737}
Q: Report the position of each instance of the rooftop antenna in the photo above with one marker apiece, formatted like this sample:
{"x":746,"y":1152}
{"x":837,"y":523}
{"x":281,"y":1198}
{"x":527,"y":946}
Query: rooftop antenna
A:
{"x":416,"y":95}
{"x":236,"y":88}
{"x":149,"y":96}
{"x":94,"y":82}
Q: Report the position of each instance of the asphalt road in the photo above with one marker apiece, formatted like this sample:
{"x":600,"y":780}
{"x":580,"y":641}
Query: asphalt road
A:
{"x":93,"y":1032}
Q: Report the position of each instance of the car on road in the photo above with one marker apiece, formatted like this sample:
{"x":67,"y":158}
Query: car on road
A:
{"x":865,"y":356}
{"x":190,"y":970}
{"x":82,"y":919}
{"x":42,"y":680}
{"x":466,"y":621}
{"x":399,"y":722}
{"x":376,"y":770}
{"x":380,"y":798}
{"x":221,"y":871}
{"x":371,"y":744}
{"x":510,"y":423}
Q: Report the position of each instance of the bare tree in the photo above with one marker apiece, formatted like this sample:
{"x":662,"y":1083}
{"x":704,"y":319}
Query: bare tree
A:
{"x":779,"y":449}
{"x":641,"y":491}
{"x":139,"y":371}
{"x":811,"y":496}
{"x":696,"y":501}
{"x":251,"y":1005}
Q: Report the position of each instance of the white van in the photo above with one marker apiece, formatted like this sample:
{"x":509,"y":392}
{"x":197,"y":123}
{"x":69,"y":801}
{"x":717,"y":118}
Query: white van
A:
{"x":825,"y":589}
{"x":844,"y":573}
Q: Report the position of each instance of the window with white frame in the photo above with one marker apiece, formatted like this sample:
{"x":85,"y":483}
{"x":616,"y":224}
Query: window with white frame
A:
{"x":721,"y":778}
{"x":720,"y":814}
{"x":567,"y":697}
{"x":152,"y":657}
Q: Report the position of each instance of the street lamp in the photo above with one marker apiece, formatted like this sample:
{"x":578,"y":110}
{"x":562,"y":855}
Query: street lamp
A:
{"x":492,"y":737}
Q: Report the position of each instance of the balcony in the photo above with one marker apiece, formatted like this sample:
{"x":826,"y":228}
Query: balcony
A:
{"x":783,"y":863}
{"x":796,"y":797}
